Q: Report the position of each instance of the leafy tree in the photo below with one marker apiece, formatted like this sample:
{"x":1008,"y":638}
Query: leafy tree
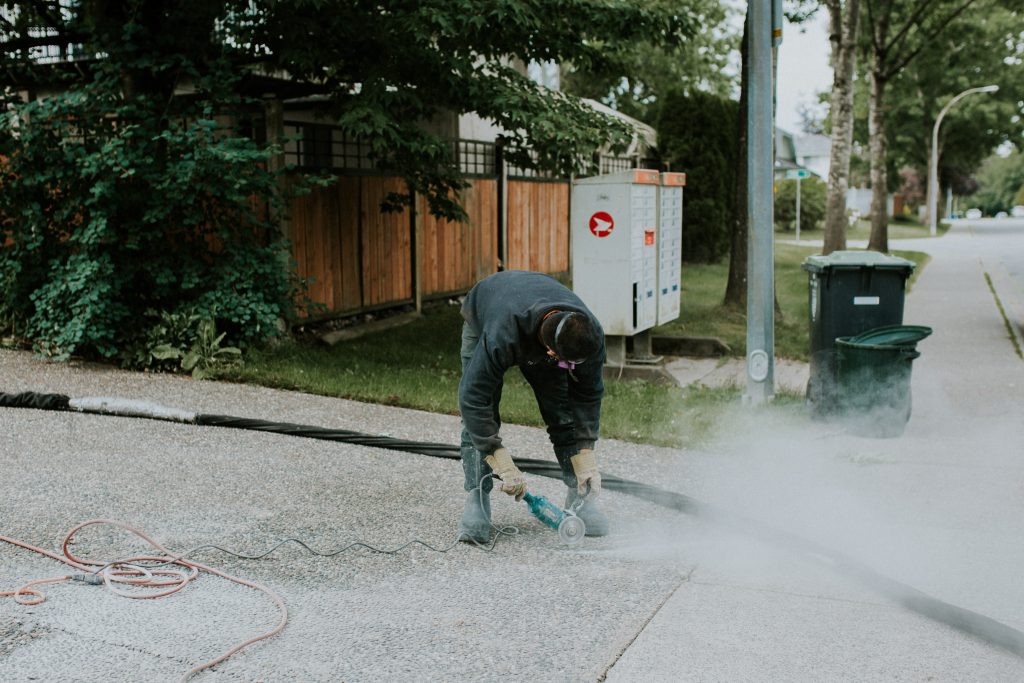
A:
{"x":977,"y":53}
{"x":389,"y":66}
{"x":1001,"y":183}
{"x":697,"y":135}
{"x":642,"y":74}
{"x":123,"y":203}
{"x":899,"y":33}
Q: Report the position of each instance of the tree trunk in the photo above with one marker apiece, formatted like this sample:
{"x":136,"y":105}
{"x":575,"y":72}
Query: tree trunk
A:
{"x":844,"y":41}
{"x":879,"y":178}
{"x":736,"y":287}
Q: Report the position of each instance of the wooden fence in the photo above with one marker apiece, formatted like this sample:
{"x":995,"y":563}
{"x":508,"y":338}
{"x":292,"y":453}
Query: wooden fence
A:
{"x":358,"y":258}
{"x":538,"y":226}
{"x":453,"y":255}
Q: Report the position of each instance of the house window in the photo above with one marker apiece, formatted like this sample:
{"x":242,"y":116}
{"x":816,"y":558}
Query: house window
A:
{"x":316,"y":147}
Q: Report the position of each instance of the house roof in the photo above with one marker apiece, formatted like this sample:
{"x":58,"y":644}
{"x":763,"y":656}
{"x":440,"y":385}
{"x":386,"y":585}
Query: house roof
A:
{"x":785,"y":147}
{"x":813,"y":145}
{"x":649,"y":135}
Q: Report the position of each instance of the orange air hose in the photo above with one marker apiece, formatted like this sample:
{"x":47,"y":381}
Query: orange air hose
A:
{"x":128,"y":572}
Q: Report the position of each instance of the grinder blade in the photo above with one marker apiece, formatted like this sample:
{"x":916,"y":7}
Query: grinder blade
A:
{"x":572,"y":530}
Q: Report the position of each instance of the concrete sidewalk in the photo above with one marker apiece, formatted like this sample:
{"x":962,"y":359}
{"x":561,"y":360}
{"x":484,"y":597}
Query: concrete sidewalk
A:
{"x":790,"y":375}
{"x":666,"y":597}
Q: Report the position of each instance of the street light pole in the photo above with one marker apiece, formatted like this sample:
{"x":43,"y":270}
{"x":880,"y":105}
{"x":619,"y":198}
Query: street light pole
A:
{"x":933,"y":162}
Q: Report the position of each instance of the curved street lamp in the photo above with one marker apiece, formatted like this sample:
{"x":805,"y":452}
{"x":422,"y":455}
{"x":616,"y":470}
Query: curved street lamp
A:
{"x":933,"y":164}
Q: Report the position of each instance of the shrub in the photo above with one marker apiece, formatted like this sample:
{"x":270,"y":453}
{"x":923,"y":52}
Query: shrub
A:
{"x":116,"y":205}
{"x":813,"y":197}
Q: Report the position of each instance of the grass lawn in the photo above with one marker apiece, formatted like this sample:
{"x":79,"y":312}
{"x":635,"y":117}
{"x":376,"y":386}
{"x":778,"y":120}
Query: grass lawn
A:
{"x":702,"y":313}
{"x":417,"y":365}
{"x":899,"y":229}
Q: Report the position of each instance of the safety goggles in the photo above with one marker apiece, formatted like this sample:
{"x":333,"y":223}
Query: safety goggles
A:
{"x":564,"y":364}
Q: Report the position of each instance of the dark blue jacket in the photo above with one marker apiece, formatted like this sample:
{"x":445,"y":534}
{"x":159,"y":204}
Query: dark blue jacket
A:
{"x":506,"y":310}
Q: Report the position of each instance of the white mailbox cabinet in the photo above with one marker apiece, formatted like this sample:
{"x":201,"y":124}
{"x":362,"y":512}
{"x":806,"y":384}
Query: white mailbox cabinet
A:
{"x":627,"y":241}
{"x":614,"y":248}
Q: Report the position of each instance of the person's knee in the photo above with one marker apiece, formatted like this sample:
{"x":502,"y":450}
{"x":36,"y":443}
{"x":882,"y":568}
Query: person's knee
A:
{"x":562,"y":436}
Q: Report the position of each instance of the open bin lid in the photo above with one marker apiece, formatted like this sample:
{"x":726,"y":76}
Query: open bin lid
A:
{"x":819,"y":263}
{"x":891,"y":335}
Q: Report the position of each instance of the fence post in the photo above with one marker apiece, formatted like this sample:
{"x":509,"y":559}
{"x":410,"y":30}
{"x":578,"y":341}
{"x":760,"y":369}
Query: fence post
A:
{"x":502,"y":184}
{"x":273,"y":109}
{"x":416,"y":219}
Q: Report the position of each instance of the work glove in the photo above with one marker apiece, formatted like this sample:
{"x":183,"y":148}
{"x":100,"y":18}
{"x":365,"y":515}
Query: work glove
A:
{"x":512,"y":480}
{"x":584,"y":464}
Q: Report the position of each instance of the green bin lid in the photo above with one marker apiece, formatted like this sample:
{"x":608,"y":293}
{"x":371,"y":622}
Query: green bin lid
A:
{"x":856,"y":259}
{"x":891,"y":335}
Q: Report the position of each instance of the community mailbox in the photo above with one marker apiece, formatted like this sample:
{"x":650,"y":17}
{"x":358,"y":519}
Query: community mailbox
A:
{"x":670,"y":244}
{"x":627,"y":241}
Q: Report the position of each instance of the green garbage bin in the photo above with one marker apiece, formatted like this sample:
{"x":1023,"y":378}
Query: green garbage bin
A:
{"x":849,"y":292}
{"x":873,"y":369}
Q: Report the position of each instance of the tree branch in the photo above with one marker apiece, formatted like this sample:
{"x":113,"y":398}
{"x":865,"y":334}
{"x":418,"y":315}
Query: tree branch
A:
{"x":902,"y":63}
{"x":911,"y":21}
{"x":871,"y":22}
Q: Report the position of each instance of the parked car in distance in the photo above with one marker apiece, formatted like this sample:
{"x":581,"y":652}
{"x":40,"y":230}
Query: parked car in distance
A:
{"x":973,"y":213}
{"x":1017,"y":211}
{"x":1002,"y":214}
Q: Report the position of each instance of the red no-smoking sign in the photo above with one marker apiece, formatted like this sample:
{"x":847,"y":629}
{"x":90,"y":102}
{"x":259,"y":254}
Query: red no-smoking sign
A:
{"x":602,"y":224}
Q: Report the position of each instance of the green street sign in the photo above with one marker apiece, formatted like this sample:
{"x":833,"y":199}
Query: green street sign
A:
{"x":797,"y":173}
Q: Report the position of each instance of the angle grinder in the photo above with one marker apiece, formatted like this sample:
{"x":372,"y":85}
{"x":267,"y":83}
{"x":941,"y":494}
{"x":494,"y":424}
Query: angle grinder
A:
{"x":570,"y":528}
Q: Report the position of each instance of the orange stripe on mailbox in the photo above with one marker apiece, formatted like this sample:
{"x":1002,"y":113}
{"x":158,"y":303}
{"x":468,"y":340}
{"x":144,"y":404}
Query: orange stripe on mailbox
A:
{"x":646,"y":177}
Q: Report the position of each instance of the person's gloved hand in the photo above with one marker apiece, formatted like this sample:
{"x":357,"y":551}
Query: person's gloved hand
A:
{"x":512,"y":480}
{"x":584,"y":464}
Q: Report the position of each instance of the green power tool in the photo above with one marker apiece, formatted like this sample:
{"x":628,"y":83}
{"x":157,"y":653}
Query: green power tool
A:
{"x":570,"y":528}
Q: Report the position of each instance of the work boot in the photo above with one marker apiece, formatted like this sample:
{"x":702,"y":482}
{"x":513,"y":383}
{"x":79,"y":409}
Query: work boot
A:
{"x":596,"y":521}
{"x":475,"y":525}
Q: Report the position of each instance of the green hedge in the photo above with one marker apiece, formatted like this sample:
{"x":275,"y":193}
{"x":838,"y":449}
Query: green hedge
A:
{"x":697,"y":135}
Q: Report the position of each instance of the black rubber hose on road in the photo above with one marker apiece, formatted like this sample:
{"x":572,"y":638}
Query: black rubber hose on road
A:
{"x":30,"y":399}
{"x":964,"y":620}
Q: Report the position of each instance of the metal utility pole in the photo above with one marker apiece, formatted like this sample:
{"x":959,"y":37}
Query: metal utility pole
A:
{"x":933,"y":161}
{"x":760,"y":208}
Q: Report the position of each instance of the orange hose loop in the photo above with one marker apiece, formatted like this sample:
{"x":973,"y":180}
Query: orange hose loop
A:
{"x":135,"y":576}
{"x":19,"y":595}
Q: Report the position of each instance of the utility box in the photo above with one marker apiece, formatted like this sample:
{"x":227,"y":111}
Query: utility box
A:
{"x":670,"y":245}
{"x":849,"y":292}
{"x":615,"y":249}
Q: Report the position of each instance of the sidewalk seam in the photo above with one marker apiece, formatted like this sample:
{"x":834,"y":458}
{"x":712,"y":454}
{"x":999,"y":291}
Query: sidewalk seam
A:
{"x":643,"y":627}
{"x":1014,"y":339}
